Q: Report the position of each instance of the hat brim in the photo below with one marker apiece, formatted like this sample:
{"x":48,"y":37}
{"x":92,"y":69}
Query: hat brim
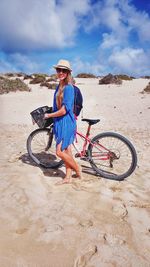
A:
{"x":61,"y":67}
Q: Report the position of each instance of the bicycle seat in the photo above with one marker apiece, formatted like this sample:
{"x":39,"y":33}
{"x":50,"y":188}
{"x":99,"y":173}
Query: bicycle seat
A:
{"x":91,"y":122}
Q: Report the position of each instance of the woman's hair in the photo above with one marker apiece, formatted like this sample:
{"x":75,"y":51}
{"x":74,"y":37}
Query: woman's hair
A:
{"x":68,"y":79}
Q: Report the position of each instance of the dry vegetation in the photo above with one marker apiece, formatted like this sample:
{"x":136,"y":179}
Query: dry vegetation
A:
{"x":125,"y":77}
{"x":44,"y":80}
{"x":110,"y":79}
{"x":146,"y":77}
{"x":12,"y":82}
{"x":115,"y":79}
{"x":147,"y":89}
{"x":38,"y":79}
{"x":12,"y":85}
{"x":85,"y":75}
{"x":49,"y":85}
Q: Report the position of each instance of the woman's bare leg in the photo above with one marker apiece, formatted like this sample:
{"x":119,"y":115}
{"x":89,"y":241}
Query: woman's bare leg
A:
{"x":69,"y":161}
{"x":68,"y":175}
{"x":78,"y":174}
{"x":68,"y":169}
{"x":69,"y":152}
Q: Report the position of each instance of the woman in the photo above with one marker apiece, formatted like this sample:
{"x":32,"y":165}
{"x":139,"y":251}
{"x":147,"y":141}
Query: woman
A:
{"x":64,"y":119}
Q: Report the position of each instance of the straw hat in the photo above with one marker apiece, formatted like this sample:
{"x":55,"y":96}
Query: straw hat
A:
{"x":63,"y":64}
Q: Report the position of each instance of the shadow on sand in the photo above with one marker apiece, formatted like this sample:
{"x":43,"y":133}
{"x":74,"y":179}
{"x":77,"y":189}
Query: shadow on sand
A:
{"x":25,"y":158}
{"x":54,"y":172}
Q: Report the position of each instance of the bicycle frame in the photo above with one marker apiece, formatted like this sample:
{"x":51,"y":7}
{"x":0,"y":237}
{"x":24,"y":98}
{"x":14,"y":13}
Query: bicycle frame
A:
{"x":87,"y":140}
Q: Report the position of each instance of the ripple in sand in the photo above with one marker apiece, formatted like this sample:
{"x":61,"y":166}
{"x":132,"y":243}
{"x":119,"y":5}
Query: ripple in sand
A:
{"x":139,"y":205}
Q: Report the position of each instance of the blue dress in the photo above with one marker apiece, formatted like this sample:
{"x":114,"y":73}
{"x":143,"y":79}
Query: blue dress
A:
{"x":65,"y":126}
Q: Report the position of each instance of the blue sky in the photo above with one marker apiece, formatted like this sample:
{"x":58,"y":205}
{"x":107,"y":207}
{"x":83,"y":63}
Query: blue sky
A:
{"x":95,"y":36}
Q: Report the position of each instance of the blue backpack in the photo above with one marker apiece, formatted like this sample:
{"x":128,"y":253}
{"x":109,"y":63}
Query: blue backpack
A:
{"x":78,"y":101}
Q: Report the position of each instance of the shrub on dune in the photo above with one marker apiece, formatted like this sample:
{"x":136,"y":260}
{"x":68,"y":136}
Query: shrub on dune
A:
{"x":147,"y":89}
{"x":26,"y":77}
{"x":146,"y":77}
{"x":38,"y":79}
{"x":10,"y":74}
{"x":110,"y":79}
{"x":125,"y":77}
{"x":53,"y":77}
{"x":20,"y":74}
{"x":12,"y":85}
{"x":85,"y":75}
{"x":49,"y":85}
{"x":35,"y":75}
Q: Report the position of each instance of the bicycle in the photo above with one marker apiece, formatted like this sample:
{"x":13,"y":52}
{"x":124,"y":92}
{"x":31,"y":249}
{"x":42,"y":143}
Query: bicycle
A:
{"x":110,"y":154}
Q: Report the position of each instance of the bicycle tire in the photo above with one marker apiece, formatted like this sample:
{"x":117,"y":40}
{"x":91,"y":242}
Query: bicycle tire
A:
{"x":111,"y":164}
{"x":41,"y":148}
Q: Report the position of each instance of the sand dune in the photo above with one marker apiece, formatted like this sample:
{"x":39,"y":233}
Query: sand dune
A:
{"x":94,"y":222}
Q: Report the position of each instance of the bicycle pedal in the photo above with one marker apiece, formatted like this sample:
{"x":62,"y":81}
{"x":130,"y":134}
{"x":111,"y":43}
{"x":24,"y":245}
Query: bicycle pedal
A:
{"x":84,"y":158}
{"x":77,"y":155}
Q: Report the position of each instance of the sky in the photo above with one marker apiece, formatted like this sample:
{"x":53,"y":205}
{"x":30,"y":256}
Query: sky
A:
{"x":98,"y":37}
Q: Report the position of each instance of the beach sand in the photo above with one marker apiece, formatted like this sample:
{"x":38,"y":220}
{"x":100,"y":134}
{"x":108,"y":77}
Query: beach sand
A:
{"x":90,"y":223}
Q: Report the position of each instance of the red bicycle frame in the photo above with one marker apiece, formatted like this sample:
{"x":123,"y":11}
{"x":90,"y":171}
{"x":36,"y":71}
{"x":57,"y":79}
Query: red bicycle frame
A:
{"x":82,"y":153}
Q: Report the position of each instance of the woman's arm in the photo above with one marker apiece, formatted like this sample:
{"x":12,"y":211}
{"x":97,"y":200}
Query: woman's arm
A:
{"x":58,"y":113}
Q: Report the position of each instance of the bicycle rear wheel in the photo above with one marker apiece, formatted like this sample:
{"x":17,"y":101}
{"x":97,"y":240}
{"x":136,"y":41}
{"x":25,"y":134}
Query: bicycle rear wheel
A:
{"x":112,"y":156}
{"x":41,"y":147}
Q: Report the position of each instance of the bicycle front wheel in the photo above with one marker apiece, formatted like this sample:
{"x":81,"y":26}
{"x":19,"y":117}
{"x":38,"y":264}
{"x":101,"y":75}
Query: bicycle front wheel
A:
{"x":112,"y":156}
{"x":41,"y":147}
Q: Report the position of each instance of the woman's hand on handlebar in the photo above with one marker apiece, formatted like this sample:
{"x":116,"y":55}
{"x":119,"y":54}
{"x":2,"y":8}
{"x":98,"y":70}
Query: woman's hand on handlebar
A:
{"x":46,"y":116}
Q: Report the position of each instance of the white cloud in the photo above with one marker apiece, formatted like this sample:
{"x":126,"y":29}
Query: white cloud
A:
{"x":86,"y":67}
{"x":36,"y":24}
{"x":109,"y":41}
{"x":131,"y":61}
{"x":108,"y":14}
{"x":123,"y":46}
{"x":17,"y":62}
{"x":138,"y":21}
{"x":121,"y":18}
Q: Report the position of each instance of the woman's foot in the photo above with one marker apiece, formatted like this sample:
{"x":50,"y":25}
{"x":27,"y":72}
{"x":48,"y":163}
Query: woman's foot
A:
{"x":66,"y":180}
{"x":78,"y":174}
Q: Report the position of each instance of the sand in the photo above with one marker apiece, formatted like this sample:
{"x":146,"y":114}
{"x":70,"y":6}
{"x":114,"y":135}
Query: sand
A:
{"x":90,"y":223}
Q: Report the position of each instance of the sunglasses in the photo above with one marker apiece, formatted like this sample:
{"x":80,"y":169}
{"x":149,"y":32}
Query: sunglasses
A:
{"x":59,"y":70}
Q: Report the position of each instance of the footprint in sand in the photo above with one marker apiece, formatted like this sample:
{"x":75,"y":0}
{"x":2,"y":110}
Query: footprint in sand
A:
{"x":14,"y":158}
{"x":83,"y":185}
{"x":53,"y":228}
{"x":77,"y":185}
{"x":120,"y":210}
{"x":82,"y":260}
{"x":113,"y":239}
{"x":21,"y":231}
{"x":86,"y":223}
